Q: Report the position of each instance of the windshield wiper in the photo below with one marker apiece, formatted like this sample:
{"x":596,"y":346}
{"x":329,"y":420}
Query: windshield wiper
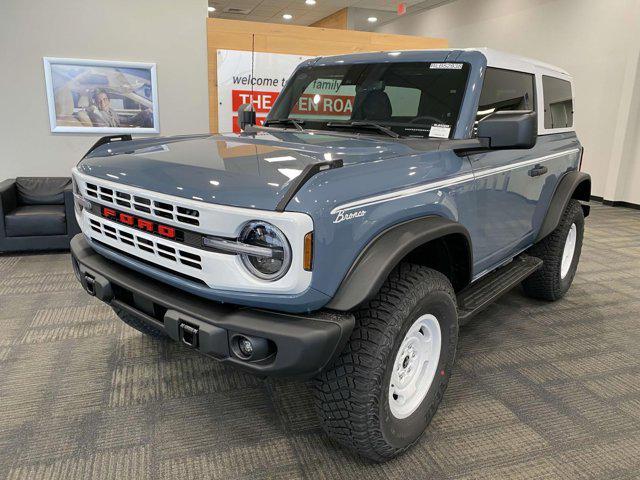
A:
{"x":371,"y":125}
{"x":285,"y":121}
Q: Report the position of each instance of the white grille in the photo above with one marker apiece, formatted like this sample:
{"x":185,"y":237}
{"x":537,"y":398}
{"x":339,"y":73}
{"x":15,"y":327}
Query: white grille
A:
{"x":166,"y":210}
{"x":217,"y":270}
{"x":154,"y":247}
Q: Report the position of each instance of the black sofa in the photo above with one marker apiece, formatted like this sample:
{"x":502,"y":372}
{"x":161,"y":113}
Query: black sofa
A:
{"x":36,"y":213}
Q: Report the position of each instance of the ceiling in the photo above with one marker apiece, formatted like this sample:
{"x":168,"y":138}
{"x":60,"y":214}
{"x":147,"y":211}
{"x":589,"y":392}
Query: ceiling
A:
{"x":271,"y":11}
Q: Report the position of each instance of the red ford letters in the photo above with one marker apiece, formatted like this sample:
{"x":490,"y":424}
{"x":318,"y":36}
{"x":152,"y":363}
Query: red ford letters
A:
{"x":139,"y":223}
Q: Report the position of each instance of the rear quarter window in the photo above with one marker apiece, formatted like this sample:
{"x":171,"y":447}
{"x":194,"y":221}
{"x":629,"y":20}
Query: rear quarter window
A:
{"x":558,"y":103}
{"x":506,"y":90}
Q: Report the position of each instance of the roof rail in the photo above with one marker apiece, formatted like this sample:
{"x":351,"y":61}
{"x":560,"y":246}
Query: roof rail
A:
{"x":107,"y":139}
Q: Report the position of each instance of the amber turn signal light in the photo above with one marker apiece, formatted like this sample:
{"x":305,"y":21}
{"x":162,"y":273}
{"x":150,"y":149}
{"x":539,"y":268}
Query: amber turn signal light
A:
{"x":308,"y":251}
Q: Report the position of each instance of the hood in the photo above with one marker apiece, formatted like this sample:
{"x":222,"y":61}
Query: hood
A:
{"x":245,"y":170}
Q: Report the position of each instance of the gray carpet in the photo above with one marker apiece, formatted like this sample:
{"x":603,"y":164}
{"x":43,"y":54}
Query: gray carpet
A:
{"x":540,"y":391}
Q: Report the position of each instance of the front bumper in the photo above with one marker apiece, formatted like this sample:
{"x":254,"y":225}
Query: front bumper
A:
{"x":299,"y":344}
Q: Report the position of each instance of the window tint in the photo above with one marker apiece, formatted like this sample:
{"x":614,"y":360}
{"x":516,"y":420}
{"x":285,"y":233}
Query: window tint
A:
{"x":506,"y":90}
{"x":558,"y":103}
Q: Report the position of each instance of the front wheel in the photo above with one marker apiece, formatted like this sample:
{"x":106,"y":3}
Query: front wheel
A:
{"x":381,"y":393}
{"x":560,"y":253}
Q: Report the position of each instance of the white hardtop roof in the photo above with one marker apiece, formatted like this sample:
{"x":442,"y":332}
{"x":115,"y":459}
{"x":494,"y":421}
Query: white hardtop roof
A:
{"x":497,"y":58}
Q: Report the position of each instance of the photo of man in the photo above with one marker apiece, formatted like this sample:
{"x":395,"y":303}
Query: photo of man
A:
{"x":101,"y":96}
{"x":103,"y":115}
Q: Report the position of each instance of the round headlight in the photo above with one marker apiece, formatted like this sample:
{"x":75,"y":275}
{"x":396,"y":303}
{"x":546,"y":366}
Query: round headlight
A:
{"x":273,"y":265}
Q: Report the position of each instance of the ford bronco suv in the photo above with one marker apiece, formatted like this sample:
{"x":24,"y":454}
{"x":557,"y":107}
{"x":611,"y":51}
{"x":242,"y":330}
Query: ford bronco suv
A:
{"x":387,"y":199}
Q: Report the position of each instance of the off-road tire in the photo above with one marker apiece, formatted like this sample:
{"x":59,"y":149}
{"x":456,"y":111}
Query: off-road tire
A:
{"x":138,"y":325}
{"x":351,"y":396}
{"x":547,"y":283}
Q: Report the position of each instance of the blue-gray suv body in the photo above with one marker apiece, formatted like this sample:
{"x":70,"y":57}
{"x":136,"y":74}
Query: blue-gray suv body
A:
{"x":387,"y":198}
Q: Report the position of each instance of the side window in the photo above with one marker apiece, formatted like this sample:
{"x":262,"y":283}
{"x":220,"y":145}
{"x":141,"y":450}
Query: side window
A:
{"x":506,"y":90}
{"x":558,"y":103}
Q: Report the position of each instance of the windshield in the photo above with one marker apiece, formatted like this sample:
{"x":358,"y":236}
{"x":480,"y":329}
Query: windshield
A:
{"x":415,"y":99}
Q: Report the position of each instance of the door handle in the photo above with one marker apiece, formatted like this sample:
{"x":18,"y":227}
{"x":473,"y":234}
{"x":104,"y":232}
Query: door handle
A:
{"x":538,"y":170}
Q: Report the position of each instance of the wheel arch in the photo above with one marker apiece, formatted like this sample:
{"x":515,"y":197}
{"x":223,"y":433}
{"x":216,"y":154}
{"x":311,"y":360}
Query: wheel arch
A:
{"x":573,"y":185}
{"x":432,"y":241}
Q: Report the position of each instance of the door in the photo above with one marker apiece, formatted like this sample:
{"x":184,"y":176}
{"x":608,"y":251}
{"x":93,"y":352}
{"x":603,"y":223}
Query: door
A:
{"x":508,"y":182}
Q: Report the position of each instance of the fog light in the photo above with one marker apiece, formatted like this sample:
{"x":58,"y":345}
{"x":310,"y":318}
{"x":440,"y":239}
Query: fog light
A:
{"x":249,"y":348}
{"x":245,"y":346}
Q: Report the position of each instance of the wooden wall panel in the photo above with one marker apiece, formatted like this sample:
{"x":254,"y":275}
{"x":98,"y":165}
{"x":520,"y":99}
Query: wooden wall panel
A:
{"x":296,"y":40}
{"x":338,"y":20}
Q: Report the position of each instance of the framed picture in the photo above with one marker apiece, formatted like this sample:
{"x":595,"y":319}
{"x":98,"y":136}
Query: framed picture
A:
{"x":98,"y":96}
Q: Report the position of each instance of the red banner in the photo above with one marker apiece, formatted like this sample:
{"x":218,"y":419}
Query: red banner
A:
{"x":310,"y":104}
{"x":262,"y":101}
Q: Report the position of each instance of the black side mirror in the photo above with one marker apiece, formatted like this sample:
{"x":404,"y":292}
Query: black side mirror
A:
{"x":246,"y":115}
{"x":509,"y":129}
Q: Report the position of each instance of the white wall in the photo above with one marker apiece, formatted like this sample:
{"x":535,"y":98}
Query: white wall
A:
{"x":596,"y":41}
{"x":169,"y":32}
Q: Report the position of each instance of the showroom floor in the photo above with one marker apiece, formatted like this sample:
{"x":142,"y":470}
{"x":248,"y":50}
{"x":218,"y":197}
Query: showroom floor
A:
{"x":540,"y":390}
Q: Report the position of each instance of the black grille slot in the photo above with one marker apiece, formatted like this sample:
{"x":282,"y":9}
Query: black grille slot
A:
{"x":191,"y":264}
{"x":144,"y":201}
{"x":164,"y":206}
{"x":190,"y":221}
{"x":188,"y":211}
{"x":190,"y":255}
{"x":166,"y":248}
{"x":126,"y":196}
{"x":166,"y":255}
{"x":145,"y":248}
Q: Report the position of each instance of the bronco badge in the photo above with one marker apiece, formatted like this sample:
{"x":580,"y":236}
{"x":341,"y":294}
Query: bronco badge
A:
{"x":341,"y":216}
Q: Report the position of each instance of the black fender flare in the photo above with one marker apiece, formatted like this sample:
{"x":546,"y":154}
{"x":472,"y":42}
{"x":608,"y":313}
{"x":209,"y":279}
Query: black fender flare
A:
{"x":573,"y":184}
{"x":385,"y":251}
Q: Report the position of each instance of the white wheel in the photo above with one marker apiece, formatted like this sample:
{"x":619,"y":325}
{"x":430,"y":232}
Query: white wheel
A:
{"x":569,"y":250}
{"x":415,"y":366}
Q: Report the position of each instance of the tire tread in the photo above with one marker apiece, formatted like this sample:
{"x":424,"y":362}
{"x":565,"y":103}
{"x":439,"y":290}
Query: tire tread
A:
{"x":345,"y":395}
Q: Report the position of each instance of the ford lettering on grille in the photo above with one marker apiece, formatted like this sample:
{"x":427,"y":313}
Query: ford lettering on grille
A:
{"x":142,"y":224}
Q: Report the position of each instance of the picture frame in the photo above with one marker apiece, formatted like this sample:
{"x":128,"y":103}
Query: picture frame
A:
{"x":101,"y":96}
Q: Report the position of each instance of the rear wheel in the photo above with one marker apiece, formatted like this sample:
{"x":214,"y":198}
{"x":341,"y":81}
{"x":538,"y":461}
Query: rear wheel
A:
{"x":560,"y":252}
{"x":381,"y":393}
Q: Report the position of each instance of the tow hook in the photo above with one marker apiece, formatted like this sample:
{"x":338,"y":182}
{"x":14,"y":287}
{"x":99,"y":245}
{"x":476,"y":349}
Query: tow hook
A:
{"x":90,"y":285}
{"x":189,"y":335}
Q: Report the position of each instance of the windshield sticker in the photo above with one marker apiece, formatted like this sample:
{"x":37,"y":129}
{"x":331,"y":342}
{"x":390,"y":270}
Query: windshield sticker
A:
{"x":439,"y":131}
{"x":446,"y":66}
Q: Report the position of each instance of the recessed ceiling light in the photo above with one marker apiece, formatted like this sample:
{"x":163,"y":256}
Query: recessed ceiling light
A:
{"x":211,"y":9}
{"x":287,"y":16}
{"x":372,"y":19}
{"x":310,"y":2}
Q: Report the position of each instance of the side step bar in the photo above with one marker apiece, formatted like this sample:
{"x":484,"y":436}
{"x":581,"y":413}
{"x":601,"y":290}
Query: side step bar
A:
{"x":485,"y":291}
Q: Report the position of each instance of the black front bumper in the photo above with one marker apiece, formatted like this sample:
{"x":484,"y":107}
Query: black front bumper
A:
{"x":298,"y":345}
